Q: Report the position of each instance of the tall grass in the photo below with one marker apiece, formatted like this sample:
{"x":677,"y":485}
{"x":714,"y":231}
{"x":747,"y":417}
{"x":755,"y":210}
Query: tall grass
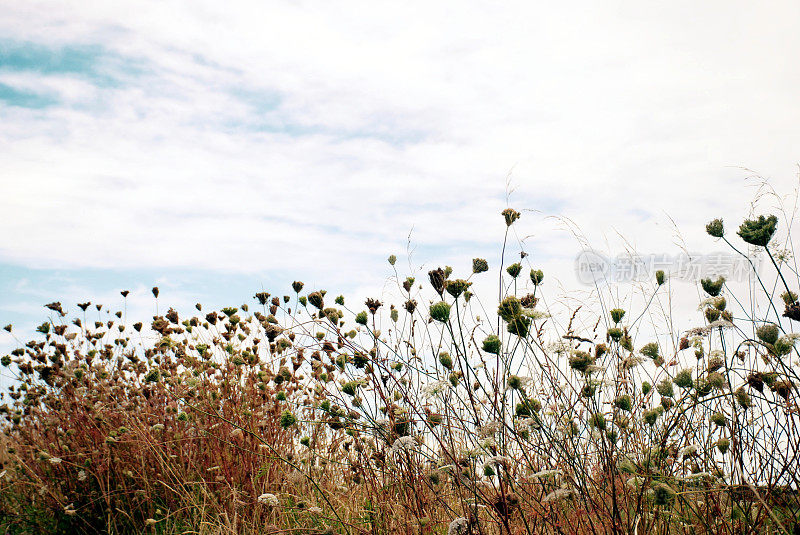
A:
{"x":440,"y":413}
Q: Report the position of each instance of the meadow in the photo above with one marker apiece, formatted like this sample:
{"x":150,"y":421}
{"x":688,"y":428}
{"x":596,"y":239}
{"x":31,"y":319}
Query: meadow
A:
{"x":444,"y":412}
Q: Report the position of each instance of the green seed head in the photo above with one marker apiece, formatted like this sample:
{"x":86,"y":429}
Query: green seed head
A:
{"x":479,"y":265}
{"x":440,"y":311}
{"x":288,"y":419}
{"x":624,"y":403}
{"x":768,"y":333}
{"x":758,"y":231}
{"x":712,"y":288}
{"x":684,"y":379}
{"x":718,"y":419}
{"x":715,"y":228}
{"x":514,"y":269}
{"x":492,"y":344}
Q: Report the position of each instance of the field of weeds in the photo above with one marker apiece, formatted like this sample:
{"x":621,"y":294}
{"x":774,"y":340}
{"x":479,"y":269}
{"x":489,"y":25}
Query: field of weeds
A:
{"x":444,"y":412}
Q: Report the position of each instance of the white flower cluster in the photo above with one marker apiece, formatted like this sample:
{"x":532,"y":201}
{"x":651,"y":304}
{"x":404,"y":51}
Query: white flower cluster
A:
{"x":459,"y":526}
{"x":269,"y":500}
{"x":404,"y":444}
{"x":435,"y":388}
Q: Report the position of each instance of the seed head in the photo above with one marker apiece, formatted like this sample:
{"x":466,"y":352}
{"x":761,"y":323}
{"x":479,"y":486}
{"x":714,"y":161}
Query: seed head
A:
{"x":316,"y":299}
{"x":684,"y":379}
{"x":457,"y":287}
{"x":288,"y":419}
{"x":617,"y":314}
{"x":715,"y":228}
{"x":712,"y":288}
{"x":768,"y":333}
{"x":492,"y":344}
{"x":479,"y":265}
{"x":624,"y":403}
{"x":514,"y":269}
{"x":510,"y":215}
{"x":440,"y":311}
{"x":758,"y":231}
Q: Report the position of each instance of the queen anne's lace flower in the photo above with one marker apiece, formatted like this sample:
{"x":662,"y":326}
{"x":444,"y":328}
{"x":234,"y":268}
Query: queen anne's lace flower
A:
{"x":404,"y":444}
{"x":459,"y":526}
{"x":268,"y":499}
{"x":437,"y":387}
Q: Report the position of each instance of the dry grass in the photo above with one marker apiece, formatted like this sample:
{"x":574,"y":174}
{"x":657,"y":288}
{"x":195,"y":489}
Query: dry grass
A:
{"x":304,"y":417}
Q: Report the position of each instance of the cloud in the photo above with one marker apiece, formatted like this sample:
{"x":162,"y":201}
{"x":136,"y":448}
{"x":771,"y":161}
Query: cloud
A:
{"x":310,"y":138}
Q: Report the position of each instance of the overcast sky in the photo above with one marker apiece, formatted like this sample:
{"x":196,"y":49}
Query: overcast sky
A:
{"x":218,"y":148}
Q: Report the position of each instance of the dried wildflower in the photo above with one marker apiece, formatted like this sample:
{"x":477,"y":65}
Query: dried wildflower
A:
{"x":712,"y":288}
{"x":440,"y":311}
{"x":650,"y":350}
{"x":437,"y":278}
{"x":650,"y":416}
{"x":718,"y":419}
{"x":479,"y":265}
{"x":663,"y":494}
{"x":715,"y":228}
{"x":624,"y":403}
{"x":580,"y":361}
{"x":316,"y":299}
{"x":743,"y":398}
{"x":457,"y":287}
{"x":155,"y":292}
{"x":783,"y":345}
{"x":768,"y":333}
{"x":716,"y":380}
{"x":684,"y":379}
{"x":722,"y":445}
{"x":660,"y":277}
{"x":510,"y":216}
{"x":615,"y":334}
{"x":519,"y":326}
{"x":361,"y":318}
{"x":446,"y":360}
{"x":758,"y":231}
{"x":372,"y":305}
{"x":492,"y":344}
{"x":665,"y":388}
{"x":514,"y":270}
{"x":392,"y":259}
{"x":537,"y":276}
{"x":617,"y":314}
{"x":510,"y":308}
{"x":288,"y":419}
{"x":598,"y":420}
{"x":715,"y":361}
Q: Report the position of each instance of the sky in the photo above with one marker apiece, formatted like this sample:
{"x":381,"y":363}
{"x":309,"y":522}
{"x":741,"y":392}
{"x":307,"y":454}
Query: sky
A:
{"x":217,"y":149}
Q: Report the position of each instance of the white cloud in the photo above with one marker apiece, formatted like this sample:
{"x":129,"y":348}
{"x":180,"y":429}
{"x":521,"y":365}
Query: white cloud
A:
{"x":257,"y":136}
